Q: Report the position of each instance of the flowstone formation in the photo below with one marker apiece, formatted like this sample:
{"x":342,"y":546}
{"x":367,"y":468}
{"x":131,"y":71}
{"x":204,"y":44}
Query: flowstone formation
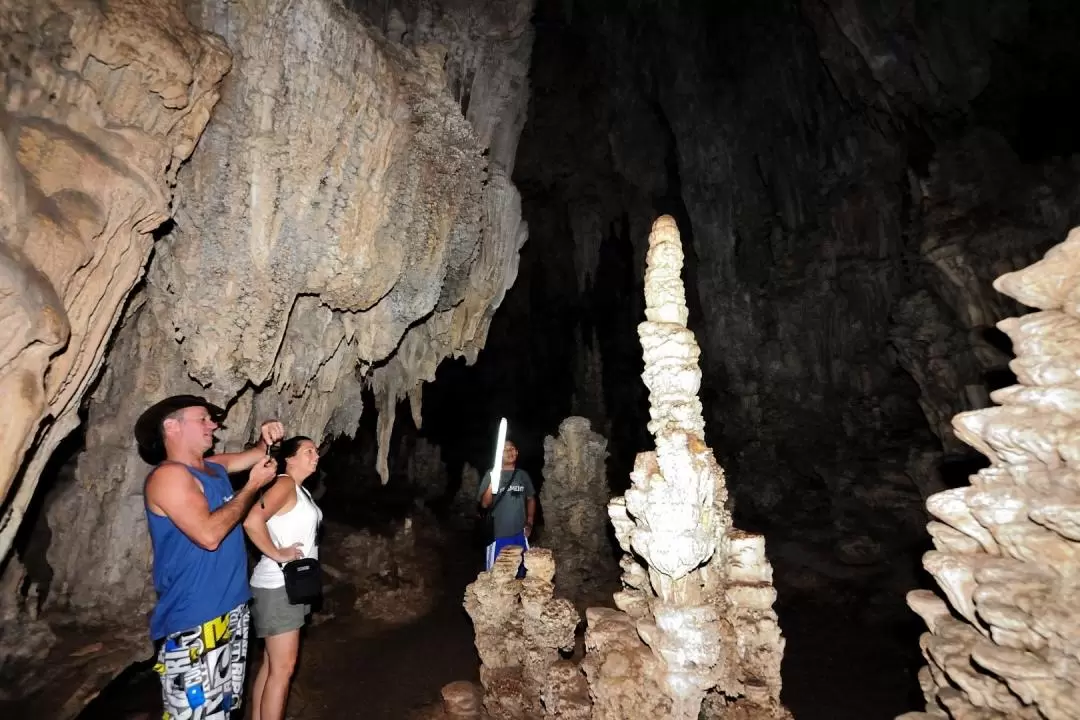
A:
{"x":1007,"y":548}
{"x":574,"y":497}
{"x":520,"y":630}
{"x":102,"y":102}
{"x":347,"y":223}
{"x":702,"y":600}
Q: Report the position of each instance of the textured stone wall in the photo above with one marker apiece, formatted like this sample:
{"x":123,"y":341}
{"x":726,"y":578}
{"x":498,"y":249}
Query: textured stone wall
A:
{"x":343,"y":225}
{"x":101,"y":105}
{"x":846,"y":198}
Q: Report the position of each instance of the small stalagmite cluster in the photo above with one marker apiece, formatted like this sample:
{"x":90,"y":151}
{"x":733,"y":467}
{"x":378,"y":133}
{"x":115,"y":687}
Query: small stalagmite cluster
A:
{"x":520,"y":629}
{"x":1006,"y":552}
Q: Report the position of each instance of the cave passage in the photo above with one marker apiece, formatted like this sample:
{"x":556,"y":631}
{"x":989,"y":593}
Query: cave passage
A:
{"x":849,"y":180}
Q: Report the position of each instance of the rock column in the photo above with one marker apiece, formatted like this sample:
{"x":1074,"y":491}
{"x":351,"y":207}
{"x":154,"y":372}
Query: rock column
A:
{"x":574,"y":499}
{"x":703,"y":599}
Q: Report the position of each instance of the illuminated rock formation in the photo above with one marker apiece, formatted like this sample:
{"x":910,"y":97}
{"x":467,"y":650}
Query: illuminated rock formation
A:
{"x":1007,"y":550}
{"x":702,"y":600}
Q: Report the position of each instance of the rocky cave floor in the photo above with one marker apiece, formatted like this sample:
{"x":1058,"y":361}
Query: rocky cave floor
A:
{"x":843,"y":660}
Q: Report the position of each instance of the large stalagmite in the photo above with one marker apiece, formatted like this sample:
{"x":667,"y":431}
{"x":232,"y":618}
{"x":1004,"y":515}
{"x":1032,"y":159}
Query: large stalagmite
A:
{"x":1007,"y":554}
{"x":702,"y":601}
{"x":695,"y":631}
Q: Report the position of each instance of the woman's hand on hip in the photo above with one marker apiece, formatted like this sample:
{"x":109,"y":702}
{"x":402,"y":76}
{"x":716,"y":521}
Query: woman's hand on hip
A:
{"x":293,"y":552}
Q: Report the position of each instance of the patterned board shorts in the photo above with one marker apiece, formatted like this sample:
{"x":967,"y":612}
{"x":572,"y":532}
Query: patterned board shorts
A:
{"x":202,"y":669}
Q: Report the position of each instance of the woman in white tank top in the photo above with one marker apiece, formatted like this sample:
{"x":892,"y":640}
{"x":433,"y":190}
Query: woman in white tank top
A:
{"x":284,"y":526}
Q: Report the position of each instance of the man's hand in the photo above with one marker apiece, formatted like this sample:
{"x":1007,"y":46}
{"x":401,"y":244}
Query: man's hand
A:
{"x":263,"y":472}
{"x":271,"y":432}
{"x":528,"y":529}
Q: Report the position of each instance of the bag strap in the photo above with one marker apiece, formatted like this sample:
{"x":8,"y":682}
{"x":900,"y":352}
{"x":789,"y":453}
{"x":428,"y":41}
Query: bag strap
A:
{"x":500,"y":495}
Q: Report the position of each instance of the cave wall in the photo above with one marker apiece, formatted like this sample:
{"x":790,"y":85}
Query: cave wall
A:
{"x":102,"y":103}
{"x":848,"y":188}
{"x":343,"y":226}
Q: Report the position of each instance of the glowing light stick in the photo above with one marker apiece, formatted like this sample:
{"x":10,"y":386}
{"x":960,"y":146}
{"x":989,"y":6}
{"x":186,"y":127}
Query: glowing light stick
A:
{"x":496,"y":468}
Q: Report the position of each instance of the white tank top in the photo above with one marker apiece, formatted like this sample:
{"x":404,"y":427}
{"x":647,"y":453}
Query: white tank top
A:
{"x":299,"y":525}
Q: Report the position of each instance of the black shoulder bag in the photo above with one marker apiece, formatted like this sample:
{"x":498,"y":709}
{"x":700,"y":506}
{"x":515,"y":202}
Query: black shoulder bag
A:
{"x":487,"y":516}
{"x":303,"y":577}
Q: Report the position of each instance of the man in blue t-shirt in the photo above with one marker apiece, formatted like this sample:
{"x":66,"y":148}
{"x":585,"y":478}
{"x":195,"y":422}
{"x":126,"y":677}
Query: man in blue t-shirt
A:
{"x":200,"y":563}
{"x":513,"y":506}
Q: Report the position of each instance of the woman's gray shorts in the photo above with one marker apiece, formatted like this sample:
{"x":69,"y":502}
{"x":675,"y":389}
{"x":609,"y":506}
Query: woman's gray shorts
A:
{"x":273,"y":615}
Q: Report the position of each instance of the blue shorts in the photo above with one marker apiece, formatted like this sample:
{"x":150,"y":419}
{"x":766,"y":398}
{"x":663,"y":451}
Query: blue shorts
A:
{"x":492,"y":550}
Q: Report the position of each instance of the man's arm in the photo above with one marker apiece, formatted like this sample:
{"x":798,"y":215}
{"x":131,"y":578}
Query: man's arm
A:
{"x":530,"y":513}
{"x":530,"y":503}
{"x":270,"y":433}
{"x":485,"y":491}
{"x":174,"y":492}
{"x":239,"y":461}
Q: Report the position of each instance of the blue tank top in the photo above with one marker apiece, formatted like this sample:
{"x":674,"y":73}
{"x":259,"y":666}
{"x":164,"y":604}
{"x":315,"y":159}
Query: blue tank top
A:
{"x":195,"y":585}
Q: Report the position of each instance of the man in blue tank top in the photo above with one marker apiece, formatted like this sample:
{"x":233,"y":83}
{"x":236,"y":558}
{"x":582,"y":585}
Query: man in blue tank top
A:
{"x":200,"y":562}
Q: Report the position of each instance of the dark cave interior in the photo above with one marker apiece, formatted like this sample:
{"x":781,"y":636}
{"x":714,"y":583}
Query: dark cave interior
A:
{"x":815,"y":194}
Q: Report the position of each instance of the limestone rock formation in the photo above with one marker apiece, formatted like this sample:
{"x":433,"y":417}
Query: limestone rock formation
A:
{"x":464,"y":502}
{"x":462,"y":700}
{"x":345,"y":226}
{"x":396,"y":575}
{"x":520,"y":629}
{"x":702,"y":599}
{"x":1006,"y":552}
{"x":102,"y":103}
{"x":625,"y":675}
{"x":574,"y":498}
{"x":426,"y":469}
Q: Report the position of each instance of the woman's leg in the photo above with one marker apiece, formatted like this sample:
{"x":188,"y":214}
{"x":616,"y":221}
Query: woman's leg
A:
{"x":281,"y":652}
{"x":260,"y":685}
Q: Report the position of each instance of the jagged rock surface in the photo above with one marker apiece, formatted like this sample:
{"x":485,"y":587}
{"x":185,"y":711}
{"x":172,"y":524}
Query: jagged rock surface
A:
{"x":520,"y":629}
{"x":352,"y":224}
{"x":701,"y":595}
{"x":396,"y":575}
{"x":1006,"y":552}
{"x":624,"y":674}
{"x":102,"y":103}
{"x":426,"y":469}
{"x":464,"y":503}
{"x":574,"y":499}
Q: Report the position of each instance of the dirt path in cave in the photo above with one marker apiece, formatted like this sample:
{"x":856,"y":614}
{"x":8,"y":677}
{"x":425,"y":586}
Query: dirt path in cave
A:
{"x":351,"y":667}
